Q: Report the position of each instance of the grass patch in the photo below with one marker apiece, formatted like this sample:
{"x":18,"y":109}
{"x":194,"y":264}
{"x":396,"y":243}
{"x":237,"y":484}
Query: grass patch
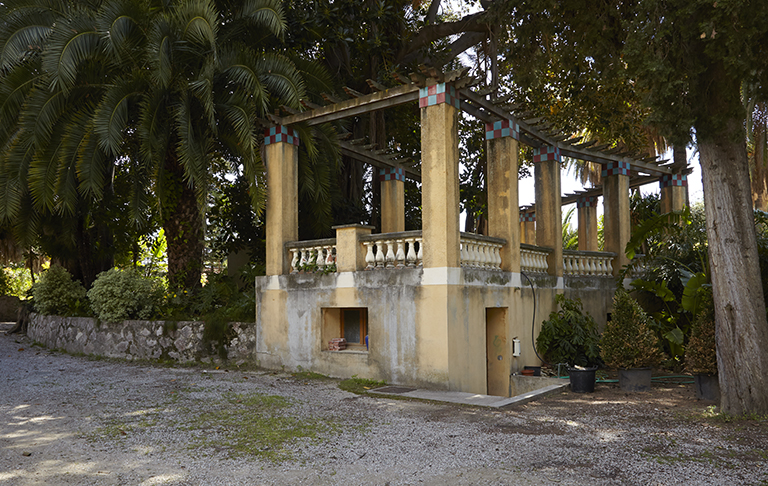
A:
{"x":360,"y":386}
{"x":256,"y":425}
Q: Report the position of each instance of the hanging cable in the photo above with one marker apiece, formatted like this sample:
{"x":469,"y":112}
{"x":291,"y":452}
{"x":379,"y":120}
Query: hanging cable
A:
{"x":533,"y":320}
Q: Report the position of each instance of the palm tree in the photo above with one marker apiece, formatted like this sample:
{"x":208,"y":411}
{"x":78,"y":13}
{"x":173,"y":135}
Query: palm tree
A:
{"x":150,"y":87}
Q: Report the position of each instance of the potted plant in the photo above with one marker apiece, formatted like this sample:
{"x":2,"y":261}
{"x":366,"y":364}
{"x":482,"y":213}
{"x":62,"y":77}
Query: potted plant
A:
{"x":629,"y":343}
{"x":701,"y":354}
{"x":569,"y":336}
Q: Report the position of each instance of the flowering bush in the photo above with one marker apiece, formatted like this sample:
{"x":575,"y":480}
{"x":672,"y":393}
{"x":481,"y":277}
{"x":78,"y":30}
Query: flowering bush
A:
{"x":117,"y":295}
{"x":57,"y":294}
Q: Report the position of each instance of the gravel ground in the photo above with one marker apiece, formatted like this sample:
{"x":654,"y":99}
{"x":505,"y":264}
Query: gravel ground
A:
{"x":72,"y":420}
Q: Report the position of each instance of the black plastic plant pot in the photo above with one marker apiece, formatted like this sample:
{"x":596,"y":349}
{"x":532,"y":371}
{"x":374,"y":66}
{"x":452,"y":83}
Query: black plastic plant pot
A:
{"x":582,"y":380}
{"x":635,"y":379}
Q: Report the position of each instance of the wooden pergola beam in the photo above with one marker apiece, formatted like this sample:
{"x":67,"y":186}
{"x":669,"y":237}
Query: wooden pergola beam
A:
{"x":379,"y":161}
{"x":364,"y":104}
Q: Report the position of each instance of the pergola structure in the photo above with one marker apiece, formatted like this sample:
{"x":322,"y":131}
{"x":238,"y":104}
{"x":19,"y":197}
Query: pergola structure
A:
{"x":438,"y":307}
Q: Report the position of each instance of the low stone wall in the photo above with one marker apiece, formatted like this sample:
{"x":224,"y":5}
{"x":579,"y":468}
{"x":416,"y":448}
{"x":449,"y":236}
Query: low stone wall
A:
{"x":180,"y":341}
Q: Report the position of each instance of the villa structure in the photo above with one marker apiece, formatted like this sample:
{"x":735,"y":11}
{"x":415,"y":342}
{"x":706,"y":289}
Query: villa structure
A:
{"x":437,"y":307}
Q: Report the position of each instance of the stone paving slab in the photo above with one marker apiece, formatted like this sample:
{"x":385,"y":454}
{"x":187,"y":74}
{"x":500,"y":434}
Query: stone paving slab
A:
{"x":475,"y":399}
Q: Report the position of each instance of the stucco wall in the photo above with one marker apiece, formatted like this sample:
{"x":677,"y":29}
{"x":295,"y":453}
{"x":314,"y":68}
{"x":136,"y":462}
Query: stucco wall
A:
{"x":426,"y":327}
{"x":180,"y":341}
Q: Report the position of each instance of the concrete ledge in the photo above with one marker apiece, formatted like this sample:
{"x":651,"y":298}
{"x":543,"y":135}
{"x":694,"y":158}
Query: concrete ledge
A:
{"x":463,"y":398}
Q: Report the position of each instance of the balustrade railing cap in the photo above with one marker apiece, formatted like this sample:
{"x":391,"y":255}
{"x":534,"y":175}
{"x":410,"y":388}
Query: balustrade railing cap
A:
{"x":489,"y":239}
{"x":353,"y":225}
{"x":391,"y":236}
{"x":545,"y":249}
{"x":310,"y":243}
{"x":589,"y":253}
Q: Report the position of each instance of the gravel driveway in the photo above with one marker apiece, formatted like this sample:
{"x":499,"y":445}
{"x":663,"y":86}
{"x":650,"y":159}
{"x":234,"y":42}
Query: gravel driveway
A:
{"x":73,"y":420}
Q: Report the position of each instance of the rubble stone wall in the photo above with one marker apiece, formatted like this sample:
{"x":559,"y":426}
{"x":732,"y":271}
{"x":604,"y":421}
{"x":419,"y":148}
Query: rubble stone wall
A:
{"x":181,"y":341}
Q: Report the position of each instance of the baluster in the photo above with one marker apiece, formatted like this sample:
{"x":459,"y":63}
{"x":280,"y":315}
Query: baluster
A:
{"x":370,"y":259}
{"x":329,"y":260}
{"x":463,"y":253}
{"x":567,"y":265}
{"x":411,"y":252}
{"x":294,"y":260}
{"x":320,"y":260}
{"x":381,"y":258}
{"x":579,"y":265}
{"x":592,"y":268}
{"x":497,"y":256}
{"x":390,"y":254}
{"x":420,"y":254}
{"x":609,"y":266}
{"x":303,"y":260}
{"x":477,"y":255}
{"x":400,"y":256}
{"x":544,"y":264}
{"x":526,"y":260}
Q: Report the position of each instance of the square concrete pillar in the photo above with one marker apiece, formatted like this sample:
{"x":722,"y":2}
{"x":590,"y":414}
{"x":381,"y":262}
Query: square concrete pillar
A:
{"x":440,"y":175}
{"x":549,"y":221}
{"x":528,"y":228}
{"x":674,"y":192}
{"x":350,"y":254}
{"x":587,"y":208}
{"x":503,"y":209}
{"x":281,"y":147}
{"x":616,"y":220}
{"x":392,"y":200}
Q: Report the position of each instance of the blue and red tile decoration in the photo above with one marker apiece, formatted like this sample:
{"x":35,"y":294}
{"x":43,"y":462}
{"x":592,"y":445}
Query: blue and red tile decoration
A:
{"x":586,"y":202}
{"x":668,"y":180}
{"x":279,"y":133}
{"x":546,"y":153}
{"x":392,"y":174}
{"x":616,"y":168}
{"x":439,"y":93}
{"x":502,"y":128}
{"x":527,"y":217}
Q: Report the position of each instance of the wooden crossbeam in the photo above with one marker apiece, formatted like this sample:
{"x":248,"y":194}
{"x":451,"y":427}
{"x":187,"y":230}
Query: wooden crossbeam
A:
{"x":356,"y":106}
{"x":370,"y":158}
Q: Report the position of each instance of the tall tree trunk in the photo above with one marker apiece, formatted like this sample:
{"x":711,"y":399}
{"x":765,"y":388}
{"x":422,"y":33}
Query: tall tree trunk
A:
{"x":742,"y":331}
{"x":183,"y":225}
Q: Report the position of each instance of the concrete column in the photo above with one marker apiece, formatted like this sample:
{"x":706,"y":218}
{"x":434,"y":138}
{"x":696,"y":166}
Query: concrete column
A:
{"x":587,"y":208}
{"x":281,"y":146}
{"x":350,"y":254}
{"x":616,"y":221}
{"x":392,"y":200}
{"x":549,"y":224}
{"x":440,"y":176}
{"x":674,"y":192}
{"x":528,"y":228}
{"x":503,"y":209}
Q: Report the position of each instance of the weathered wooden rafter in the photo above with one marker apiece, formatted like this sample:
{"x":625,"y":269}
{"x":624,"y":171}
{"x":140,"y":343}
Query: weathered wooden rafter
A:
{"x":538,"y":136}
{"x":378,"y":160}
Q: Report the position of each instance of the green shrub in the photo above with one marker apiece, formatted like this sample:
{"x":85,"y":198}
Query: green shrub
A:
{"x":57,"y":294}
{"x":117,"y":295}
{"x":701,"y":354}
{"x":628,"y":340}
{"x":569,"y":336}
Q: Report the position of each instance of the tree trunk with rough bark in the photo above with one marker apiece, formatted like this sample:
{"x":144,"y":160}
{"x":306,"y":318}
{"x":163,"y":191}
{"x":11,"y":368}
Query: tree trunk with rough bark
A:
{"x":742,"y":331}
{"x":183,"y":225}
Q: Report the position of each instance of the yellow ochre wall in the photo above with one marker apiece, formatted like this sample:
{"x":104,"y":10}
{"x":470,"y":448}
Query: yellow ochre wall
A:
{"x":426,"y":326}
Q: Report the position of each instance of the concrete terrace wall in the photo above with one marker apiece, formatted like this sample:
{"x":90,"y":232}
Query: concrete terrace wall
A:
{"x":179,"y":341}
{"x":427,"y":327}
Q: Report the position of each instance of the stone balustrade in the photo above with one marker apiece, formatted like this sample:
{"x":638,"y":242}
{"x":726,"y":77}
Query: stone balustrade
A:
{"x":479,"y":251}
{"x":533,"y":259}
{"x":393,"y":250}
{"x":587,"y":263}
{"x":313,"y":256}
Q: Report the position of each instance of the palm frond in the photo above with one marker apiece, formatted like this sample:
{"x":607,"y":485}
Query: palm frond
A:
{"x":264,"y":14}
{"x":112,"y":114}
{"x":72,"y":42}
{"x":282,"y":79}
